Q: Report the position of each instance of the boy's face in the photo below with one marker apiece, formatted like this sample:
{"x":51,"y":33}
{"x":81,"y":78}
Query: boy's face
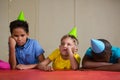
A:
{"x":20,"y":36}
{"x":67,"y":44}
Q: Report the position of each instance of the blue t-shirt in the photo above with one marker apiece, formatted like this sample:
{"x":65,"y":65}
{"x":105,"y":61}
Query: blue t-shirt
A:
{"x":113,"y":58}
{"x":28,"y":54}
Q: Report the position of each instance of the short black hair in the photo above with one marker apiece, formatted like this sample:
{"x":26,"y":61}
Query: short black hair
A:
{"x":19,"y":24}
{"x":105,"y":55}
{"x":108,"y":46}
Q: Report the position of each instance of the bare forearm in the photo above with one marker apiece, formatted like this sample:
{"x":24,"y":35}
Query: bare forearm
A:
{"x":22,"y":66}
{"x":74,"y":63}
{"x":32,"y":66}
{"x":12,"y":58}
{"x":40,"y":66}
{"x":44,"y":65}
{"x":114,"y":67}
{"x":91,"y":64}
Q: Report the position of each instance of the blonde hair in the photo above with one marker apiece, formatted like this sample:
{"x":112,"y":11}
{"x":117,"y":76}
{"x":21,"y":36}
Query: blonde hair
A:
{"x":75,"y":40}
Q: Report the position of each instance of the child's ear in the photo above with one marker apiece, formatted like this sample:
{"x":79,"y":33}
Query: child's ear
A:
{"x":59,"y":46}
{"x":28,"y":34}
{"x":76,"y":48}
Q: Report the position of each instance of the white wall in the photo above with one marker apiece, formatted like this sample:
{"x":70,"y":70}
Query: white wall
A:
{"x":49,"y":20}
{"x":98,"y":19}
{"x":4,"y":29}
{"x":56,"y":18}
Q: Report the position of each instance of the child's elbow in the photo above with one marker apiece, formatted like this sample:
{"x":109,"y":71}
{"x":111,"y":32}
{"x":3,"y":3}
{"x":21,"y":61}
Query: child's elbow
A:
{"x":12,"y":67}
{"x":84,"y":65}
{"x":75,"y":68}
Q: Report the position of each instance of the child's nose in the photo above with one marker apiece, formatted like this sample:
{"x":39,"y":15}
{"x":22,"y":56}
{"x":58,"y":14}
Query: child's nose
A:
{"x":19,"y":38}
{"x":65,"y":45}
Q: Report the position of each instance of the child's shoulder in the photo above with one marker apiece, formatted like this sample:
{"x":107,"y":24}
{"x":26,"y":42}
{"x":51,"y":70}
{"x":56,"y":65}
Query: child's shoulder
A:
{"x":76,"y":54}
{"x":32,"y":40}
{"x":115,"y":49}
{"x":56,"y":51}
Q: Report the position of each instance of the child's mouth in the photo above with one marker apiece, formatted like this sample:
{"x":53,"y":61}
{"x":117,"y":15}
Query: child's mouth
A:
{"x":64,"y":49}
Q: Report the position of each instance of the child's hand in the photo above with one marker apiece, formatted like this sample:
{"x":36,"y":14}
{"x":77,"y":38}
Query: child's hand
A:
{"x":21,"y":67}
{"x":69,"y":50}
{"x":48,"y":68}
{"x":11,"y":42}
{"x":45,"y":68}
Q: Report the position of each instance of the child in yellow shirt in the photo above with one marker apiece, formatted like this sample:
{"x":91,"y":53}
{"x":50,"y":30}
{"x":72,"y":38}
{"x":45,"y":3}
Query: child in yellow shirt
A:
{"x":63,"y":58}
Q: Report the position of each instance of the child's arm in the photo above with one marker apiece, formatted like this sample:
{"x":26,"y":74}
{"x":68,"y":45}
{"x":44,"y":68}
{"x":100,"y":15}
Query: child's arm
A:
{"x":113,"y":67}
{"x":41,"y":58}
{"x":23,"y":66}
{"x":12,"y":57}
{"x":73,"y":61}
{"x":44,"y":65}
{"x":30,"y":66}
{"x":88,"y":63}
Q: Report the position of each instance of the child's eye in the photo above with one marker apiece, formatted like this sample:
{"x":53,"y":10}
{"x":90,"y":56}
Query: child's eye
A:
{"x":15,"y":35}
{"x":22,"y":35}
{"x":69,"y":44}
{"x":62,"y":43}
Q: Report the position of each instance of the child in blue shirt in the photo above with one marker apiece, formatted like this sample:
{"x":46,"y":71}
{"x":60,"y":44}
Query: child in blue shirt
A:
{"x":24,"y":53}
{"x":102,"y":56}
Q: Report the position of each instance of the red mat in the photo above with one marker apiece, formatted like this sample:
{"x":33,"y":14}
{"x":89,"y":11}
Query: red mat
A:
{"x":58,"y":75}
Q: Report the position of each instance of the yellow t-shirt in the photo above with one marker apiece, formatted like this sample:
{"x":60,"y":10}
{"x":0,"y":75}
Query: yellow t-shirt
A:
{"x":59,"y":63}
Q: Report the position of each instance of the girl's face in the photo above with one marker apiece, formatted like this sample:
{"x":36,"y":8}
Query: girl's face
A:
{"x":67,"y":44}
{"x":20,"y":36}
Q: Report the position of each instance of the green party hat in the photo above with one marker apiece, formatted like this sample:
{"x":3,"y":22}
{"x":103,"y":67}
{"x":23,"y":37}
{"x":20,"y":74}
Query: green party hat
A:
{"x":73,"y":32}
{"x":21,"y":16}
